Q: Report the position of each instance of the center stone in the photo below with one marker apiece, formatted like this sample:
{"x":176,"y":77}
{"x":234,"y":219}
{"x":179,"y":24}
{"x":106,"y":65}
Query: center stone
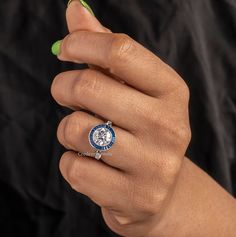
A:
{"x":102,"y":137}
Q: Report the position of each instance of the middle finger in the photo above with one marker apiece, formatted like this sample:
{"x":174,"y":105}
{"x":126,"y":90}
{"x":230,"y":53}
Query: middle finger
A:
{"x":94,"y":91}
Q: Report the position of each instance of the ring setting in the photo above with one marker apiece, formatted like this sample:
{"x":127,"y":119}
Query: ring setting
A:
{"x":102,"y":137}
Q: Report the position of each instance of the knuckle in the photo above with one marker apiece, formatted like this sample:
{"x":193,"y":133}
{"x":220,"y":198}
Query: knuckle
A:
{"x":149,"y":116}
{"x":176,"y":133}
{"x":183,"y":90}
{"x":183,"y":134}
{"x":179,"y":136}
{"x":188,"y":136}
{"x":86,"y":85}
{"x":69,"y":44}
{"x":146,"y":113}
{"x":70,"y":130}
{"x":170,"y":168}
{"x":120,"y":48}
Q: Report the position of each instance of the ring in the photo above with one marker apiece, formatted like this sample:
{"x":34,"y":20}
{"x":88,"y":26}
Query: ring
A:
{"x":102,"y":137}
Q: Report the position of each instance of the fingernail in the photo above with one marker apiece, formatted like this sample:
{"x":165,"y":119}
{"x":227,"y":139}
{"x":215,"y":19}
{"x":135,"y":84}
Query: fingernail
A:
{"x":69,"y":3}
{"x":56,"y":48}
{"x":85,"y":4}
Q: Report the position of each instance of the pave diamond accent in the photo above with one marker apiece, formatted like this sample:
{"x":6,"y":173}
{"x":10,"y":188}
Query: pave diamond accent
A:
{"x":98,"y":155}
{"x":102,"y":136}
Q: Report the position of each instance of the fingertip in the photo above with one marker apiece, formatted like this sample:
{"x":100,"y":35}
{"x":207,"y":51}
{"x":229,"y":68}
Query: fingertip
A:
{"x":84,"y":4}
{"x":56,"y":48}
{"x":80,"y":18}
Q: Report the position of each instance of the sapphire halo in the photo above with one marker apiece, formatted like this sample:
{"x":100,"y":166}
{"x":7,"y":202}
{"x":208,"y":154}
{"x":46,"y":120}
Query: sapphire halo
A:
{"x":102,"y":137}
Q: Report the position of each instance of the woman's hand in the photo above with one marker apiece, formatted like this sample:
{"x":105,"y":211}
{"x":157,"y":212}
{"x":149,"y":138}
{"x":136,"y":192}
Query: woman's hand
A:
{"x":150,"y":115}
{"x":147,"y":188}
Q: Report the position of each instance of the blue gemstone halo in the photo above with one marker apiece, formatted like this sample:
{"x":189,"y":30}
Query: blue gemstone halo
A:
{"x":102,"y":137}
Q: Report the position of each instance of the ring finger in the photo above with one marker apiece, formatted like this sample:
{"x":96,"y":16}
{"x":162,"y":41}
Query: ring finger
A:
{"x":92,"y":90}
{"x":73,"y":134}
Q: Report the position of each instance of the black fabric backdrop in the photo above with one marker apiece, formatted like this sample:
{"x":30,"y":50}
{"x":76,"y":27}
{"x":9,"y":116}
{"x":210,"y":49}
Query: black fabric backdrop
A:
{"x":197,"y":38}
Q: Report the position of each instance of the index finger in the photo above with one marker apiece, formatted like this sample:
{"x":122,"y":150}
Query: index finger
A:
{"x":122,"y":57}
{"x":79,"y":18}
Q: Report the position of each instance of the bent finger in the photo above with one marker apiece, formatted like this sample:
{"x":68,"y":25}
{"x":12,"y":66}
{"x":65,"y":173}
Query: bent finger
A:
{"x":73,"y":134}
{"x":122,"y":57}
{"x":103,"y":184}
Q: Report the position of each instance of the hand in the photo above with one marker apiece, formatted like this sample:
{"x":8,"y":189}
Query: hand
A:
{"x":150,"y":116}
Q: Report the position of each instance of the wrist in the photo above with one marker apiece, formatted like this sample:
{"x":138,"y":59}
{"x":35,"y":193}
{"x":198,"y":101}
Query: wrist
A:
{"x":198,"y":207}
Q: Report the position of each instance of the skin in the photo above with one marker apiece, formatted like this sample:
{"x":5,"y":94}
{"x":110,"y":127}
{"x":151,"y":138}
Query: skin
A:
{"x":148,"y":187}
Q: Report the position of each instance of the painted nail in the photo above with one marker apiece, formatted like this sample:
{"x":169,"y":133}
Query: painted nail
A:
{"x":69,"y":3}
{"x":85,"y":4}
{"x":56,"y":48}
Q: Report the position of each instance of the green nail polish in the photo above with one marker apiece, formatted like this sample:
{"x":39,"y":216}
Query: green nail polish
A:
{"x":69,"y":3}
{"x":85,"y":4}
{"x":56,"y":48}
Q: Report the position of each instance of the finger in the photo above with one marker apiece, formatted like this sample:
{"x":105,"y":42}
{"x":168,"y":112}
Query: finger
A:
{"x":98,"y":93}
{"x":124,"y":58}
{"x":104,"y":185}
{"x":73,"y":134}
{"x":79,"y":18}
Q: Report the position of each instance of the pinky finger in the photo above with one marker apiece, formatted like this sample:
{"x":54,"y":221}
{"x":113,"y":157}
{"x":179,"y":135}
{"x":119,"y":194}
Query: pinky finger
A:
{"x":105,"y":185}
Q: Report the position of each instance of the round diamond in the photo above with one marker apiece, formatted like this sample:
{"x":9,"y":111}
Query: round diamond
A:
{"x":102,"y":136}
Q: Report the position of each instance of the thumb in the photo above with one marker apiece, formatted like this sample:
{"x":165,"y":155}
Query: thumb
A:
{"x":80,"y":16}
